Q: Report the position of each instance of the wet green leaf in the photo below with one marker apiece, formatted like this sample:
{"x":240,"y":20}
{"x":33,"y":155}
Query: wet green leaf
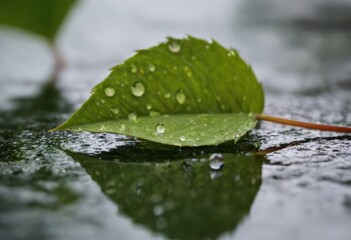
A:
{"x":43,"y":17}
{"x":182,"y":199}
{"x":185,"y":92}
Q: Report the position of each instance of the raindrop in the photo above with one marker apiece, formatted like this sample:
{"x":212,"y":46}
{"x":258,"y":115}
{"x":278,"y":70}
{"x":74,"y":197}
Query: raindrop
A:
{"x":180,"y":96}
{"x":109,"y":92}
{"x":132,"y":117}
{"x":174,"y":47}
{"x":216,"y":161}
{"x":115,"y":110}
{"x":133,"y":68}
{"x":160,"y":128}
{"x":182,"y":138}
{"x":167,"y":95}
{"x":138,"y":89}
{"x":152,"y":67}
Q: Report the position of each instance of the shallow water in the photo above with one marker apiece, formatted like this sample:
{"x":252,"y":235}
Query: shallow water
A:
{"x":70,"y":186}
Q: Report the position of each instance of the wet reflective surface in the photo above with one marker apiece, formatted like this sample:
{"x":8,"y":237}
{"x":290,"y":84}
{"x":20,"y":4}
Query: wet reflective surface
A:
{"x":69,"y":186}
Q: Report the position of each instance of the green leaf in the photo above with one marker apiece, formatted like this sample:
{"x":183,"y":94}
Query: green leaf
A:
{"x":182,"y":199}
{"x":206,"y":92}
{"x":43,"y":17}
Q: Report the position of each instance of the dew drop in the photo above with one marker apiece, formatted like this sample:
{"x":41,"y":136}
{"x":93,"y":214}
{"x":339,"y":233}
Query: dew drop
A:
{"x":160,"y":128}
{"x":133,"y":68}
{"x":180,"y":96}
{"x":132,"y":117}
{"x":152,"y":67}
{"x":182,"y":138}
{"x":109,"y":92}
{"x":115,"y":110}
{"x":167,"y":95}
{"x":138,"y":89}
{"x":174,"y":47}
{"x":216,"y":161}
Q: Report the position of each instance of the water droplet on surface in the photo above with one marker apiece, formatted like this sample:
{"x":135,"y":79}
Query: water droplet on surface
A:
{"x":231,"y":53}
{"x":132,"y":117}
{"x":122,"y":128}
{"x":152,"y":67}
{"x":148,"y":106}
{"x":207,"y":46}
{"x":102,"y":101}
{"x":133,"y":68}
{"x":115,"y":110}
{"x":160,"y":128}
{"x":216,"y":161}
{"x":167,"y":95}
{"x":180,"y":96}
{"x":138,"y":89}
{"x":158,"y":210}
{"x":182,"y":138}
{"x":174,"y":47}
{"x":109,"y":92}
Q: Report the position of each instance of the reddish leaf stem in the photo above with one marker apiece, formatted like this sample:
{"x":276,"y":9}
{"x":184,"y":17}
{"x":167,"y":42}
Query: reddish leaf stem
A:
{"x":315,"y":126}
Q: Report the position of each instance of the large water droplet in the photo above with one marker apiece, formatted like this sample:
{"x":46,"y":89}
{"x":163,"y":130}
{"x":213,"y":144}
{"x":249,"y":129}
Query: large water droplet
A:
{"x":109,"y":92}
{"x":132,"y":117}
{"x":182,"y":138}
{"x":152,"y":67}
{"x":216,"y":161}
{"x":138,"y":89}
{"x":160,"y":128}
{"x":115,"y":110}
{"x":180,"y":96}
{"x":174,"y":47}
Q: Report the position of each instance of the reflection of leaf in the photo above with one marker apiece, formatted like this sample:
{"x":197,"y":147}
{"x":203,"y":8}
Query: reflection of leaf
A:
{"x":207,"y":90}
{"x":43,"y":17}
{"x":181,"y":199}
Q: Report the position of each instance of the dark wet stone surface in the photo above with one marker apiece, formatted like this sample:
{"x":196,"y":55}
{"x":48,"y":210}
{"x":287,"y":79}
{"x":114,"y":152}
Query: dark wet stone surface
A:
{"x":301,"y":54}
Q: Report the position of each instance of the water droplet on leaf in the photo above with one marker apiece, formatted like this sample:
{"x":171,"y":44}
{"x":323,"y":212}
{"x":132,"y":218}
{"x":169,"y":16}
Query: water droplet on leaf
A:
{"x":152,"y":67}
{"x":174,"y":47}
{"x":133,"y":68}
{"x":160,"y":128}
{"x":132,"y":117}
{"x":148,"y":106}
{"x":138,"y":89}
{"x":180,"y":96}
{"x":182,"y":138}
{"x":109,"y":92}
{"x":115,"y":110}
{"x":216,"y":161}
